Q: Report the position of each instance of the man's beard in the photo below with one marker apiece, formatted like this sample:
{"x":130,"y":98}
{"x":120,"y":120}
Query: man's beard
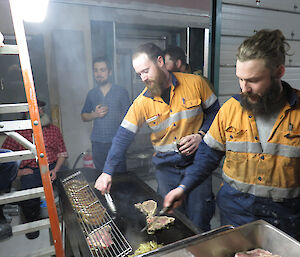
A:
{"x":270,"y":102}
{"x":156,"y":86}
{"x":101,"y":83}
{"x":45,"y":120}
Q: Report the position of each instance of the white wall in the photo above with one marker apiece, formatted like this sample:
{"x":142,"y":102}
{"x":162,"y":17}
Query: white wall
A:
{"x":240,"y":19}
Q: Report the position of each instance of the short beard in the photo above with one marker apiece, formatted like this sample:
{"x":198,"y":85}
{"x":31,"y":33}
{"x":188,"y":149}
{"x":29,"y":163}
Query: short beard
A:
{"x":45,"y":120}
{"x":269,"y":103}
{"x":102,"y":83}
{"x":156,"y":86}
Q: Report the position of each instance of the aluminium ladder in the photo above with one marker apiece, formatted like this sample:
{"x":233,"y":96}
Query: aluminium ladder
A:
{"x":36,"y":150}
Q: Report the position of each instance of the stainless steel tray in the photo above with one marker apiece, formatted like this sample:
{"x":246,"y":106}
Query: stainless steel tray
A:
{"x":258,"y":234}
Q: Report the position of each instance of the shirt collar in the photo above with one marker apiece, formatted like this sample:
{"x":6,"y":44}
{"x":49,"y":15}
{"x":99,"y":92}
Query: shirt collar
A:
{"x":175,"y":82}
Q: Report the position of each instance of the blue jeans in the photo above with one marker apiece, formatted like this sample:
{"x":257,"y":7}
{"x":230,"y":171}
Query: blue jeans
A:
{"x":199,"y":205}
{"x":100,"y":151}
{"x":237,"y":208}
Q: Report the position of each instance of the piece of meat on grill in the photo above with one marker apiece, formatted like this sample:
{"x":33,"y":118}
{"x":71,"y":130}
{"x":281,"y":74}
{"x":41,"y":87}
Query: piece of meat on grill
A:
{"x":147,"y":207}
{"x":100,"y":238}
{"x":160,"y":222}
{"x":256,"y":253}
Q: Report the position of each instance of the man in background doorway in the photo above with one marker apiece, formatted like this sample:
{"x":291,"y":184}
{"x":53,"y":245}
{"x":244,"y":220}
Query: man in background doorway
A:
{"x":175,"y":60}
{"x":105,"y":105}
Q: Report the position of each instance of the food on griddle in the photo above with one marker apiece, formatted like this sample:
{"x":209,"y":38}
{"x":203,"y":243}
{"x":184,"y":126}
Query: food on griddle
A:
{"x":255,"y":253}
{"x":93,"y":214}
{"x":146,"y":247}
{"x":100,"y":238}
{"x":74,"y":185}
{"x":160,"y":222}
{"x":86,"y":203}
{"x":147,"y":207}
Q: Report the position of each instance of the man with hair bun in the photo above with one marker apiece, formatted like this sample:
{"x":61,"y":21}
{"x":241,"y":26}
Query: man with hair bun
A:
{"x":258,"y":131}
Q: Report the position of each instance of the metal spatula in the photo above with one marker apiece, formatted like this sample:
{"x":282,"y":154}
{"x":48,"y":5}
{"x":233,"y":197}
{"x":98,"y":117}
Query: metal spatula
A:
{"x":110,"y":203}
{"x":162,"y":212}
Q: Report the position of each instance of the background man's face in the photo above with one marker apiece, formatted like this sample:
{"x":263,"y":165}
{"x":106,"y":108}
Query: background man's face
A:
{"x":151,"y":74}
{"x":170,"y":64}
{"x":101,"y":73}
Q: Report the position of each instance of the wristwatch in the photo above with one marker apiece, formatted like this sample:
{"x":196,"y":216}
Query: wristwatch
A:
{"x":201,"y":133}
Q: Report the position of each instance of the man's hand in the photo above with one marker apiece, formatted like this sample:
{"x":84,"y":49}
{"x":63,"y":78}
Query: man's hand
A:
{"x":103,"y":183}
{"x":189,"y":144}
{"x":23,"y":172}
{"x":174,"y":198}
{"x":100,"y":111}
{"x":53,"y":174}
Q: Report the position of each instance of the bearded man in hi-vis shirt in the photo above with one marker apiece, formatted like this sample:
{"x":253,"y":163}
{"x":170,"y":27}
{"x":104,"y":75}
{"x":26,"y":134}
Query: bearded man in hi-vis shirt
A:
{"x":174,"y":106}
{"x":258,"y":131}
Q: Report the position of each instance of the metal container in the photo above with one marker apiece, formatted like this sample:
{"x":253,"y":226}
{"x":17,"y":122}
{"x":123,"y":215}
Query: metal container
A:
{"x":127,"y":189}
{"x":258,"y":234}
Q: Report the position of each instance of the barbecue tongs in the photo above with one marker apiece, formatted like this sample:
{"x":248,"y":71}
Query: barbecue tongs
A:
{"x":162,"y":212}
{"x":110,"y":203}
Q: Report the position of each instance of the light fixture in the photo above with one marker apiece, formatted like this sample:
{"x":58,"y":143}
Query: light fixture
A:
{"x":32,"y":10}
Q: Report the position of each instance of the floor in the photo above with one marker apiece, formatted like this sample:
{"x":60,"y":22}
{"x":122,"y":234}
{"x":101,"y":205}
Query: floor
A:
{"x":20,"y":246}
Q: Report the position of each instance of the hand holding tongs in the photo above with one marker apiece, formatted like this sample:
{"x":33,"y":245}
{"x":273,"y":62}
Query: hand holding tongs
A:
{"x":110,"y":203}
{"x":162,"y":212}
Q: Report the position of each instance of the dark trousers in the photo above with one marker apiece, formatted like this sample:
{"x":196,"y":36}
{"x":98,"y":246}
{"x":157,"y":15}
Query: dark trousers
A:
{"x":237,"y":208}
{"x":199,"y":205}
{"x":8,"y":173}
{"x":100,"y":151}
{"x":31,"y":208}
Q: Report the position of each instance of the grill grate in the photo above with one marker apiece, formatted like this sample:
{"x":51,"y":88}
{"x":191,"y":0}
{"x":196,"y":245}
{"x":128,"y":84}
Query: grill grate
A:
{"x":101,"y":233}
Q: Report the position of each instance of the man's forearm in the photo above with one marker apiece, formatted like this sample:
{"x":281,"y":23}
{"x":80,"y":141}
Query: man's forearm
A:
{"x":60,"y":161}
{"x":116,"y":154}
{"x":88,"y":116}
{"x":210,"y":114}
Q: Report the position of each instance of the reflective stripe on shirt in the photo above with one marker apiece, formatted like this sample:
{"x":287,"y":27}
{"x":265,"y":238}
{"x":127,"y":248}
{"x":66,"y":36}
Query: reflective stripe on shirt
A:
{"x":186,"y":114}
{"x":275,"y":193}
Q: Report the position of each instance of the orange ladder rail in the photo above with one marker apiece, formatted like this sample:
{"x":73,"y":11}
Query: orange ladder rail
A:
{"x":36,"y":127}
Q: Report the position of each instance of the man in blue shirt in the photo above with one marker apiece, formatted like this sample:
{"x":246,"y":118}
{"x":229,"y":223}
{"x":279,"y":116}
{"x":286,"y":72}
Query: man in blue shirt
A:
{"x":106,"y":105}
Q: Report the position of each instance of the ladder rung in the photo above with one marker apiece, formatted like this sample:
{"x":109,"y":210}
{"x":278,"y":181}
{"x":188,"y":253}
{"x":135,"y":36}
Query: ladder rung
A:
{"x":30,"y":227}
{"x":13,"y":108}
{"x":21,"y":195}
{"x":46,"y":252}
{"x":9,"y":49}
{"x":17,"y":155}
{"x":14,"y":125}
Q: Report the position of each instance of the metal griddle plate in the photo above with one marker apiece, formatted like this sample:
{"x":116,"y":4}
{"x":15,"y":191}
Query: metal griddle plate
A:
{"x":127,"y":189}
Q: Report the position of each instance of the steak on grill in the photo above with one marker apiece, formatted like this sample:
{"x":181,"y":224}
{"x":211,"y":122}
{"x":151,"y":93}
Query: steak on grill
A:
{"x":147,"y":207}
{"x":100,"y":238}
{"x":255,"y":253}
{"x":159,"y":223}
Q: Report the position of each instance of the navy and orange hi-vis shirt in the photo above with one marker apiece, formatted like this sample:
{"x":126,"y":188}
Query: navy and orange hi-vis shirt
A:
{"x":190,"y":99}
{"x":272,"y":172}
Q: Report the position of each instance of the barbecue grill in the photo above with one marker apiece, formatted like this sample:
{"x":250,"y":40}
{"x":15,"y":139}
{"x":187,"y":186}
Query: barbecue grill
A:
{"x":127,"y":189}
{"x":95,"y":222}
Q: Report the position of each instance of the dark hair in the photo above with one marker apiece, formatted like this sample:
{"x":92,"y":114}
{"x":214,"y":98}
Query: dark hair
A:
{"x":176,"y":53}
{"x":150,"y":49}
{"x":269,"y":45}
{"x":103,"y":59}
